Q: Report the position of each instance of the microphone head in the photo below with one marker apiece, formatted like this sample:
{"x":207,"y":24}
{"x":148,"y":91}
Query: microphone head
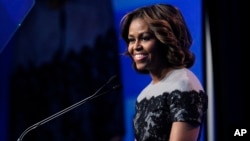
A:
{"x":112,"y":79}
{"x":113,"y":83}
{"x":116,"y":87}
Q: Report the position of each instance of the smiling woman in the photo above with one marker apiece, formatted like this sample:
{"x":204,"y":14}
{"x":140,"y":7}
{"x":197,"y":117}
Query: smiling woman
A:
{"x":192,"y":11}
{"x":171,"y":107}
{"x":40,"y":32}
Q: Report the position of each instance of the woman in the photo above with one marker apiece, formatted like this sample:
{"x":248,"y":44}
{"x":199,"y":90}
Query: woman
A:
{"x":172,"y":106}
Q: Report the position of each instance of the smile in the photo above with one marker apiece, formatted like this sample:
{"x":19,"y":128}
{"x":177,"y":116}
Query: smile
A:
{"x":139,"y":57}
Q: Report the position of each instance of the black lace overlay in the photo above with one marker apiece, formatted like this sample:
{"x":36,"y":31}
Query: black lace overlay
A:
{"x":154,"y":116}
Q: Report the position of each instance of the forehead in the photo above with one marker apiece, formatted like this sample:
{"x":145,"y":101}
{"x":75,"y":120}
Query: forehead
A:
{"x":138,"y":25}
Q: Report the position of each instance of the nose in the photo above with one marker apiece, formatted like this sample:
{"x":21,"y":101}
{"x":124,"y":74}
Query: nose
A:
{"x":137,"y":45}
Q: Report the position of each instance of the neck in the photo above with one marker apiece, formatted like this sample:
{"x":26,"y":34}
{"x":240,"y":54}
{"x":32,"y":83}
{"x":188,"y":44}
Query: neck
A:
{"x":159,"y":74}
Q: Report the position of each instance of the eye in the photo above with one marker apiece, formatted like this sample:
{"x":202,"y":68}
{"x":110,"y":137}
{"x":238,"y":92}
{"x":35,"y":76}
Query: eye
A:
{"x":146,"y":38}
{"x":130,"y":40}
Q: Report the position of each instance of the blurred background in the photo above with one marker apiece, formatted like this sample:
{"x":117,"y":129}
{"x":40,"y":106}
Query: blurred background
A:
{"x":54,"y":53}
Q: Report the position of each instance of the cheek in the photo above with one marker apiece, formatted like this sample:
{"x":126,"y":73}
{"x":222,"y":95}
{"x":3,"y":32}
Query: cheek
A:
{"x":129,"y":49}
{"x":151,"y":48}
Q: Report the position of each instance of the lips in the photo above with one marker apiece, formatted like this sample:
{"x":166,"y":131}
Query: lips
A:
{"x":139,"y":56}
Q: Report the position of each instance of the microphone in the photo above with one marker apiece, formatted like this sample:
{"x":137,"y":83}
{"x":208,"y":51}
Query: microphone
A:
{"x":109,"y":84}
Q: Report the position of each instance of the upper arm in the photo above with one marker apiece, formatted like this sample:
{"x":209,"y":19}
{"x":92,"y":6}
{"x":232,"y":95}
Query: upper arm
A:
{"x":183,"y":131}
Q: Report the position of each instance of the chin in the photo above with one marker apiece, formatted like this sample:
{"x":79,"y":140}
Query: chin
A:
{"x":140,"y":68}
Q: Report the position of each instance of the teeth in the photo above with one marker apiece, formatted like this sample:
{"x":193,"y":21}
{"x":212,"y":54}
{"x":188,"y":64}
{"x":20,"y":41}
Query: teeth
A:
{"x":139,"y":56}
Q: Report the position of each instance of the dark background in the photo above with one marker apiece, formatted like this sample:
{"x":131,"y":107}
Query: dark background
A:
{"x":64,"y":51}
{"x":230,"y":62}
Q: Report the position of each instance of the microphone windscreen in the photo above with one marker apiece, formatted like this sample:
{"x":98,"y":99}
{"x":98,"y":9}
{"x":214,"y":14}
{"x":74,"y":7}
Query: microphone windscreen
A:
{"x":112,"y":79}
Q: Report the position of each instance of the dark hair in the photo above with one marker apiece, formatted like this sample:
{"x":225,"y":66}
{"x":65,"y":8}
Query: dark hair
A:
{"x":168,"y":26}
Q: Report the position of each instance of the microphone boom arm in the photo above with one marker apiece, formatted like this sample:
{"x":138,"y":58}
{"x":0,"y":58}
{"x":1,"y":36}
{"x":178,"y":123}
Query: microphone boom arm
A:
{"x":69,"y":108}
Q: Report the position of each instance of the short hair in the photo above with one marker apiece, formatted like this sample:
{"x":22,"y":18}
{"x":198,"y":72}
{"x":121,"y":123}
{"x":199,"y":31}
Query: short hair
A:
{"x":167,"y":24}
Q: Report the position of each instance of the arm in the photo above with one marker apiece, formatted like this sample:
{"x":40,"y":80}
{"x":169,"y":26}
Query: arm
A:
{"x":183,"y":131}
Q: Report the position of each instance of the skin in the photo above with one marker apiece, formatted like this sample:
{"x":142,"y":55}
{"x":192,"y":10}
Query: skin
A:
{"x":142,"y":48}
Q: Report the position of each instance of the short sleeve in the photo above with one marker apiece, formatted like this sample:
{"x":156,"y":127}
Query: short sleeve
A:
{"x":188,"y":106}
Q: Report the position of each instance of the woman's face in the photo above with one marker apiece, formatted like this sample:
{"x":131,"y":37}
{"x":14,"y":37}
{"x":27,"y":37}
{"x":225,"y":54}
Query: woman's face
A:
{"x":142,"y":46}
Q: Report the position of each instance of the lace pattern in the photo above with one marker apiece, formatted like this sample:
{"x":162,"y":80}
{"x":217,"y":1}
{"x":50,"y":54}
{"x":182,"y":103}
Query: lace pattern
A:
{"x":154,"y":116}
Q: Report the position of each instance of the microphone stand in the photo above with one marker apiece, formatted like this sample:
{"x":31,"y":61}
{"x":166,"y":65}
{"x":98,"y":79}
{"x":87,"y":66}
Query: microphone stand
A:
{"x":70,"y":107}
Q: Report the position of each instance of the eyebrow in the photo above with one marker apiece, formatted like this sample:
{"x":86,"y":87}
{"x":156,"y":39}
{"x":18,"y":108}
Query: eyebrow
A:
{"x":143,"y":33}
